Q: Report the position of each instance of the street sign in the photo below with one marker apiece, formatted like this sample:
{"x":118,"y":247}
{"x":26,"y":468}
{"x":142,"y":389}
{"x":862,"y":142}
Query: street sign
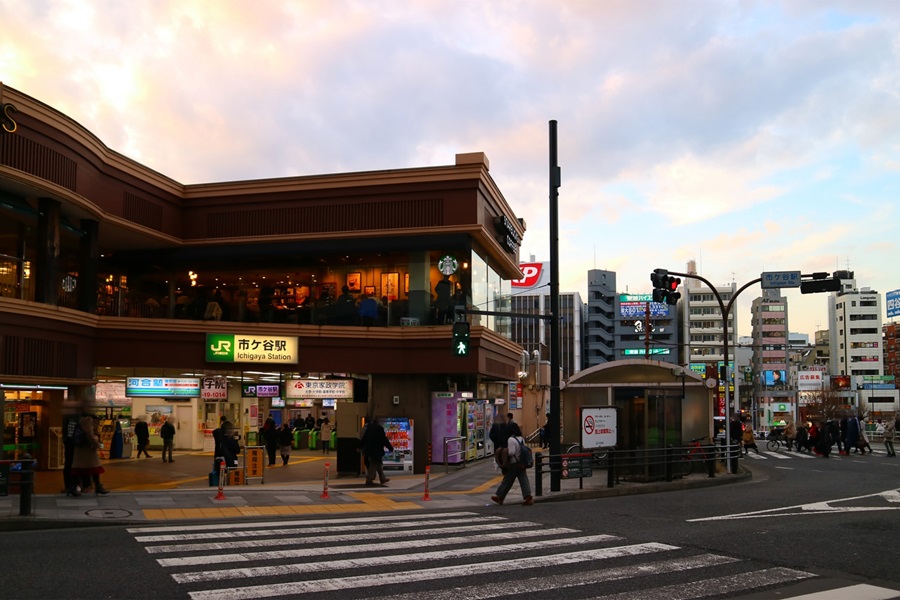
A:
{"x":599,"y":427}
{"x":893,"y":303}
{"x":780,"y":279}
{"x":576,"y":467}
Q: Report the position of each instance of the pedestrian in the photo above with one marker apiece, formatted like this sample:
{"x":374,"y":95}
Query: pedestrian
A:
{"x":167,"y":433}
{"x":230,"y":448}
{"x":325,"y":435}
{"x":69,"y":481}
{"x":499,"y":435}
{"x":142,"y":433}
{"x":749,"y":439}
{"x":545,"y":434}
{"x":864,"y":439}
{"x":218,"y":435}
{"x":735,"y":433}
{"x":823,"y":442}
{"x":269,"y":436}
{"x":373,"y":443}
{"x":790,"y":434}
{"x":842,"y":445}
{"x":852,"y":435}
{"x":310,"y":421}
{"x":889,"y":429}
{"x":285,"y":439}
{"x":512,"y":470}
{"x":86,"y":459}
{"x":802,"y":439}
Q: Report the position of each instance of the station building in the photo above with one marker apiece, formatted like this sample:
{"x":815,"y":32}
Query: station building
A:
{"x":148,"y":298}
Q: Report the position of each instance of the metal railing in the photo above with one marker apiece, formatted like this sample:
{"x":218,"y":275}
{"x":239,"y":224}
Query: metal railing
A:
{"x":462,"y":453}
{"x":642,"y":465}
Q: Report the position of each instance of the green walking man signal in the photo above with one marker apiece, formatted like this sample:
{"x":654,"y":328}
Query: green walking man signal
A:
{"x":461,"y":338}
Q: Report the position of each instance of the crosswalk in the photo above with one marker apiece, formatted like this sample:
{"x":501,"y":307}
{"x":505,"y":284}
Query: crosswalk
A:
{"x":785,"y":454}
{"x":440,"y":556}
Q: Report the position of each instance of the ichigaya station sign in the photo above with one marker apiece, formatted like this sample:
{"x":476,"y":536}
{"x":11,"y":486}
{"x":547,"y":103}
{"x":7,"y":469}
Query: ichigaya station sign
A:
{"x":269,"y":349}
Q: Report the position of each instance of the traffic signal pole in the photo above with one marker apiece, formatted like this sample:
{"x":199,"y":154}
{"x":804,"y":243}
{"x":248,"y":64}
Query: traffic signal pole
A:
{"x":554,"y":418}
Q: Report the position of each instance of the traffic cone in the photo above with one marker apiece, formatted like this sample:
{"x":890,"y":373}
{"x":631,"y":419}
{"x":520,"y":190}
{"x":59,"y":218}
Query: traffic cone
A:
{"x":427,"y":496}
{"x":325,"y":485}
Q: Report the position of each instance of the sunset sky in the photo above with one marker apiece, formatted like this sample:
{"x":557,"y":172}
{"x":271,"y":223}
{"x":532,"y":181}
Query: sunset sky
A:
{"x":751,"y":136}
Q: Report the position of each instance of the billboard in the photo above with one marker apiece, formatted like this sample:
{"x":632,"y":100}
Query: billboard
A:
{"x":810,"y":379}
{"x":893,"y":303}
{"x":775,"y":377}
{"x":637,"y":310}
{"x":536,"y":275}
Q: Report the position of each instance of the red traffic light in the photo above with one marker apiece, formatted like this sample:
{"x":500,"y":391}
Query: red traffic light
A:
{"x":674,"y":282}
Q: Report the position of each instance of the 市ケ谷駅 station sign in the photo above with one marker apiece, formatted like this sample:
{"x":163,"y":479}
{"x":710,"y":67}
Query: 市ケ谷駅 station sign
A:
{"x":230,"y":347}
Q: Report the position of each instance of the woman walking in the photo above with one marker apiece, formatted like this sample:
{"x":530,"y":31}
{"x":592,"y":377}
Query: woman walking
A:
{"x":86,"y":460}
{"x":285,"y":438}
{"x":889,"y":429}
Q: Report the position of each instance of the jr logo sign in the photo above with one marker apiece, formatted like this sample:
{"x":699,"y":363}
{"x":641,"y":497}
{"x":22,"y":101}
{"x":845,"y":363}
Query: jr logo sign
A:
{"x":219,"y":347}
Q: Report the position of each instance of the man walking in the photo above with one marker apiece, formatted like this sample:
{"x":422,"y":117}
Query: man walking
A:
{"x":142,"y":433}
{"x":373,"y":443}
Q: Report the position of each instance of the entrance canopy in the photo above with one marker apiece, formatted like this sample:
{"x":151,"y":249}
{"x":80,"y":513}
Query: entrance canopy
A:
{"x":658,"y":404}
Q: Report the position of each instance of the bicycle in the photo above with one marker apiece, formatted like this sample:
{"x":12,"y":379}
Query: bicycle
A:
{"x":775,"y":440}
{"x":598,"y":453}
{"x":696,"y":455}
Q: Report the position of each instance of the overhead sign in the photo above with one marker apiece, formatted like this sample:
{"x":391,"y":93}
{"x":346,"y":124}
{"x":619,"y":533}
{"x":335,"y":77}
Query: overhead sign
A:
{"x":318,"y":388}
{"x":7,"y":121}
{"x":535,"y":275}
{"x":599,"y":427}
{"x":111,"y":393}
{"x":214,"y":388}
{"x":270,"y":349}
{"x":892,"y":302}
{"x":780,"y":279}
{"x":640,"y":352}
{"x":634,"y":310}
{"x":162,"y":387}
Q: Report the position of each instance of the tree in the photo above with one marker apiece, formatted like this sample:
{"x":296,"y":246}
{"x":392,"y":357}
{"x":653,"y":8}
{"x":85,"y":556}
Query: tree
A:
{"x":829,"y":404}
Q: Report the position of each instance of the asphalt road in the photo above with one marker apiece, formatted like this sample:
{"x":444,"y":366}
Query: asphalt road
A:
{"x":799,"y":526}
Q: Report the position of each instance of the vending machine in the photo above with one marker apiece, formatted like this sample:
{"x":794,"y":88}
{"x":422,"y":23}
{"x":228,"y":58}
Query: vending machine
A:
{"x":399,"y":433}
{"x":448,"y":419}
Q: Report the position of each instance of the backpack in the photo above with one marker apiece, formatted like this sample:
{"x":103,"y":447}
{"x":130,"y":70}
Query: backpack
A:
{"x":526,"y":456}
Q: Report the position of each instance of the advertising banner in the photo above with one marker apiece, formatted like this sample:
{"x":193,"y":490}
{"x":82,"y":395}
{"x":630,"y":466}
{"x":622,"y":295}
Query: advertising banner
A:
{"x":636,"y":310}
{"x":111,"y":394}
{"x":892,"y":302}
{"x":318,"y":388}
{"x":810,"y":379}
{"x":214,"y":388}
{"x":162,"y":387}
{"x":269,"y":349}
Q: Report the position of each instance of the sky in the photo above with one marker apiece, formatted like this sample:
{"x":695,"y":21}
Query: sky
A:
{"x":749,"y":136}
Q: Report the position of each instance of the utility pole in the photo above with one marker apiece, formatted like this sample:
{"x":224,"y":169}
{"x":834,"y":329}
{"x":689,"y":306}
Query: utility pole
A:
{"x":554,"y":420}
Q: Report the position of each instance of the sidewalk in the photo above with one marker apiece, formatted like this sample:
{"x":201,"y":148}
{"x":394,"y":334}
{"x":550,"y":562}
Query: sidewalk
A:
{"x":149,"y":490}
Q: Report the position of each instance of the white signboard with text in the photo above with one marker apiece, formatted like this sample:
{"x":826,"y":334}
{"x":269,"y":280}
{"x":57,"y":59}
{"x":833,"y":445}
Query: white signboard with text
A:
{"x":318,"y":388}
{"x":599,"y":427}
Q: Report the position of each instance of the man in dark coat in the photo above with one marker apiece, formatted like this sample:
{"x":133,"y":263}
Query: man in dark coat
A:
{"x":142,"y":433}
{"x":373,"y":443}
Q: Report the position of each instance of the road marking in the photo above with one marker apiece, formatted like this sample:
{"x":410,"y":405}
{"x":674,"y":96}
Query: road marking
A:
{"x":777,"y":455}
{"x":786,"y":468}
{"x":812,"y":508}
{"x":383,"y":579}
{"x":305,"y":531}
{"x":862,"y":591}
{"x":525,"y":587}
{"x":715,"y":586}
{"x":299,"y":523}
{"x":381,"y":561}
{"x":321,"y":550}
{"x":266,"y":542}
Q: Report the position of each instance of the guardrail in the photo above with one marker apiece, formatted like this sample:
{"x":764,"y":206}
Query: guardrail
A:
{"x":463,"y":452}
{"x":650,"y":464}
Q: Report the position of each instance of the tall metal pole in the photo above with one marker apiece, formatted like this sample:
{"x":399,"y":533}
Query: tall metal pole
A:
{"x":554,"y":421}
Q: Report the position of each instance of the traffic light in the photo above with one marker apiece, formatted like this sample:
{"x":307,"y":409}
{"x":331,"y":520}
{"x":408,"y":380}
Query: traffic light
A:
{"x":461,"y":338}
{"x":665,"y":287}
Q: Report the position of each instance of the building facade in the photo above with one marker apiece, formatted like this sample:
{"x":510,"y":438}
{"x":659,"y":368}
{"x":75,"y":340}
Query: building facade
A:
{"x":775,"y":397}
{"x":333,"y":293}
{"x":600,"y":326}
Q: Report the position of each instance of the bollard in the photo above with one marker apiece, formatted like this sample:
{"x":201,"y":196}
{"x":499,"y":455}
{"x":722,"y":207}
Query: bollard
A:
{"x":427,"y":496}
{"x":26,"y":486}
{"x":710,"y":461}
{"x":733,"y":453}
{"x":538,"y":475}
{"x":221,"y":494}
{"x":325,"y":485}
{"x":670,"y":453}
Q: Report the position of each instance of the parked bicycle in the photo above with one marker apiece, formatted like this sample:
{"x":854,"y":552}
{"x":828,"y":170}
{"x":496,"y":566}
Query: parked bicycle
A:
{"x":599,"y":454}
{"x":695,"y":458}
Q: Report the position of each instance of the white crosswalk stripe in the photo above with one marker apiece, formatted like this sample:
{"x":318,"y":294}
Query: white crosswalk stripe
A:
{"x":791,"y":454}
{"x":437,"y":556}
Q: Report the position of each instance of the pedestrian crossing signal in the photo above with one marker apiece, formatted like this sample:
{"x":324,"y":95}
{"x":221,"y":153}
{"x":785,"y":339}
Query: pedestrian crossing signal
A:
{"x":461,"y":338}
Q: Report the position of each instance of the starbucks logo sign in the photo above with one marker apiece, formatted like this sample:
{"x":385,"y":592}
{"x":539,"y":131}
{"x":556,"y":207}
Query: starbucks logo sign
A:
{"x":448,"y":265}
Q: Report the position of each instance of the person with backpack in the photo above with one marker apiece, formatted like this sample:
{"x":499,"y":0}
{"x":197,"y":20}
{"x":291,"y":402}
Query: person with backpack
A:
{"x":167,"y":433}
{"x":518,"y":457}
{"x":86,"y":460}
{"x":373,"y":444}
